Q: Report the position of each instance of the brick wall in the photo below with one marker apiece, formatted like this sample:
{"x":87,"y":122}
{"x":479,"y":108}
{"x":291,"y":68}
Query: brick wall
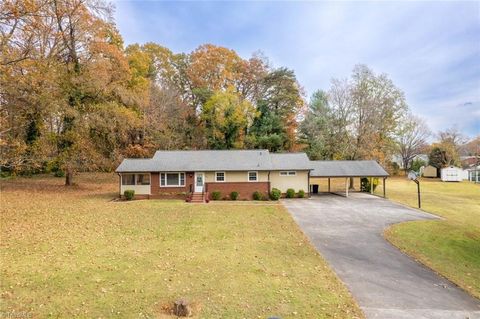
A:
{"x":245,"y":189}
{"x":169,"y":192}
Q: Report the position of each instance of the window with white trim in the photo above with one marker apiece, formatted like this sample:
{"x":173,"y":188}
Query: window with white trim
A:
{"x":128,"y":179}
{"x":172,"y":179}
{"x":136,"y":179}
{"x":288,"y":173}
{"x":219,"y":176}
{"x":252,"y":176}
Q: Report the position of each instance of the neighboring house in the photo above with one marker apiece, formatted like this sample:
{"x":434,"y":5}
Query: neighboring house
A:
{"x":474,"y":174}
{"x":470,"y":161}
{"x":174,"y":174}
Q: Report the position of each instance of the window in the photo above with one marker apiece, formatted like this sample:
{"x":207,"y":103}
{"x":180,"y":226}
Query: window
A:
{"x":288,"y":173}
{"x":143,"y":179}
{"x":252,"y":176}
{"x":219,"y":176}
{"x":172,"y":179}
{"x":128,"y":179}
{"x":136,"y":179}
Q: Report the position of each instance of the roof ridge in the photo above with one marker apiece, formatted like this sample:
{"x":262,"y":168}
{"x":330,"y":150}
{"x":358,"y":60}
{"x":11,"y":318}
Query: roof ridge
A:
{"x":343,"y":160}
{"x":230,"y":150}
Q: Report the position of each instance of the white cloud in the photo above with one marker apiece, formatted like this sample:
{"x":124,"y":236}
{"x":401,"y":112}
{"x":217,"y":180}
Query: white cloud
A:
{"x":431,"y":50}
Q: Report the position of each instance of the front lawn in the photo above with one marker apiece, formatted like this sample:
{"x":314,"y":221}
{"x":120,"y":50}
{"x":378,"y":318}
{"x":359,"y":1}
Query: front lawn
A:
{"x":72,"y":252}
{"x":451,"y":246}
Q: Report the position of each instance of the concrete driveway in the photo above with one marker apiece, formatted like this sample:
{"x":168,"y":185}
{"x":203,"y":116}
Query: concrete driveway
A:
{"x":385,"y":282}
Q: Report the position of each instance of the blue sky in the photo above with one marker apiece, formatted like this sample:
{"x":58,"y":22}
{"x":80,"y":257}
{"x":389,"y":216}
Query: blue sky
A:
{"x":431,"y":50}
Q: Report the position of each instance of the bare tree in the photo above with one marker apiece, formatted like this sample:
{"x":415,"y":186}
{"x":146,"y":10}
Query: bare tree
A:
{"x":412,"y":136}
{"x":453,"y":136}
{"x":451,"y":141}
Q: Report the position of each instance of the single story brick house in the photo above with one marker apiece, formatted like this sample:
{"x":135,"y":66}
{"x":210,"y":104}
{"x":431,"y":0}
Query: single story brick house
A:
{"x":198,"y":173}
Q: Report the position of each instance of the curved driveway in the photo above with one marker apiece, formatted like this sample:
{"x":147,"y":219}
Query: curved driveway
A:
{"x":385,"y":282}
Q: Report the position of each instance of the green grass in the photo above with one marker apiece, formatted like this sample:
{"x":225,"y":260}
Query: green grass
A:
{"x":72,"y":252}
{"x":451,"y":246}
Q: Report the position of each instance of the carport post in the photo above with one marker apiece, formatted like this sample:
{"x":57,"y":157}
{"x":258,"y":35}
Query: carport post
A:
{"x":384,"y":180}
{"x":346,"y":187}
{"x":371,"y":185}
{"x":329,"y":184}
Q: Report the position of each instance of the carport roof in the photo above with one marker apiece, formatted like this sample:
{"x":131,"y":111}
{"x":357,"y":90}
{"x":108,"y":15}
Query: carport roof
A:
{"x":347,"y":169}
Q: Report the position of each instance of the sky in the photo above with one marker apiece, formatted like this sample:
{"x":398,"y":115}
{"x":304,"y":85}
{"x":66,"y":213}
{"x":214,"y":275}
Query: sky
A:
{"x":431,"y":50}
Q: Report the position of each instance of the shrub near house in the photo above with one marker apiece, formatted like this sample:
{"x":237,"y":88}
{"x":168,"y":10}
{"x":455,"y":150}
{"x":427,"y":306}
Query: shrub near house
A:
{"x":275,"y":194}
{"x":129,"y":194}
{"x":290,"y":193}
{"x":216,"y":195}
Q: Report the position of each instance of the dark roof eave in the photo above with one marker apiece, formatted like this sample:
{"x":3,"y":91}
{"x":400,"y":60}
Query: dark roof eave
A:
{"x":331,"y":176}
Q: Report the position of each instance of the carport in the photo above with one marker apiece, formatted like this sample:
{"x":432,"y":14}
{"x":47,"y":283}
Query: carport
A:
{"x":347,"y":170}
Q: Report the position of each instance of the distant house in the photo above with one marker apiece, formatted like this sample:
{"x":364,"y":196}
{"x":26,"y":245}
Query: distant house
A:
{"x":430,"y":171}
{"x":173,"y":174}
{"x":474,"y":174}
{"x":470,"y":161}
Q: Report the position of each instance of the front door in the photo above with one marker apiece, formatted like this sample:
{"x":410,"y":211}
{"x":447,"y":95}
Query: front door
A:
{"x":199,"y":181}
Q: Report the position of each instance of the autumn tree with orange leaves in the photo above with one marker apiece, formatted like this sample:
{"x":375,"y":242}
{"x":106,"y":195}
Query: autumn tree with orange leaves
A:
{"x":73,"y":98}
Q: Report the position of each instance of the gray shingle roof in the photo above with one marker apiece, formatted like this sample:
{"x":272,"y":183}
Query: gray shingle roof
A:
{"x":245,"y":160}
{"x":212,"y":160}
{"x":137,"y":165}
{"x":347,"y":169}
{"x":281,"y":161}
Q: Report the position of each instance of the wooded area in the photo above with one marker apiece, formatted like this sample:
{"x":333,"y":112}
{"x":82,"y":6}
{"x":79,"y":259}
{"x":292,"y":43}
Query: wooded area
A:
{"x":74,"y":98}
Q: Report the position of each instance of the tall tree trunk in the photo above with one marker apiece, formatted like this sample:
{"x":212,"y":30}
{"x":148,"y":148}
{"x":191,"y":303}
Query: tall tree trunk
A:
{"x":69,"y":176}
{"x":405,"y":166}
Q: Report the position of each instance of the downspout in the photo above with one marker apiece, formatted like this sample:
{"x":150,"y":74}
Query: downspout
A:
{"x":119,"y":185}
{"x":309,"y":186}
{"x":269,"y":186}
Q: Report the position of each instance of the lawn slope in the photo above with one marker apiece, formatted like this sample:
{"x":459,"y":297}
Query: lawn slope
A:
{"x":451,"y":246}
{"x":75,"y":253}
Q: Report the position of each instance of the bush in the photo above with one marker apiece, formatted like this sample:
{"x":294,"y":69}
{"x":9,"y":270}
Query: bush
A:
{"x":129,"y":194}
{"x":301,"y":193}
{"x":59,"y":173}
{"x":417,"y":163}
{"x":216,"y":195}
{"x":275,"y":194}
{"x":257,"y":195}
{"x":365,"y":184}
{"x":233,"y":195}
{"x":290,"y":193}
{"x":394,"y":168}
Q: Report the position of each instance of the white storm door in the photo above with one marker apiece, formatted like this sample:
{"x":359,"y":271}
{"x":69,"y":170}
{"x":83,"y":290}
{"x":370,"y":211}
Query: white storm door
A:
{"x":199,"y":181}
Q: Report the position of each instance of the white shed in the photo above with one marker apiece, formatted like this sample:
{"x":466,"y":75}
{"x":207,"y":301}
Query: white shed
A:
{"x":452,"y":174}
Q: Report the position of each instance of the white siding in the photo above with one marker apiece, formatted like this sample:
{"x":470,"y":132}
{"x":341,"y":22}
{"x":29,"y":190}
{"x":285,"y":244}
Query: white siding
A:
{"x":297,"y":182}
{"x":236,"y":176}
{"x":139,"y":189}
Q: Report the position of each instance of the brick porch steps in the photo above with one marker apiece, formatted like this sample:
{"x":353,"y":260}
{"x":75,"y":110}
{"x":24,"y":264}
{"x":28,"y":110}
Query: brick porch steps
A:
{"x":197,"y":198}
